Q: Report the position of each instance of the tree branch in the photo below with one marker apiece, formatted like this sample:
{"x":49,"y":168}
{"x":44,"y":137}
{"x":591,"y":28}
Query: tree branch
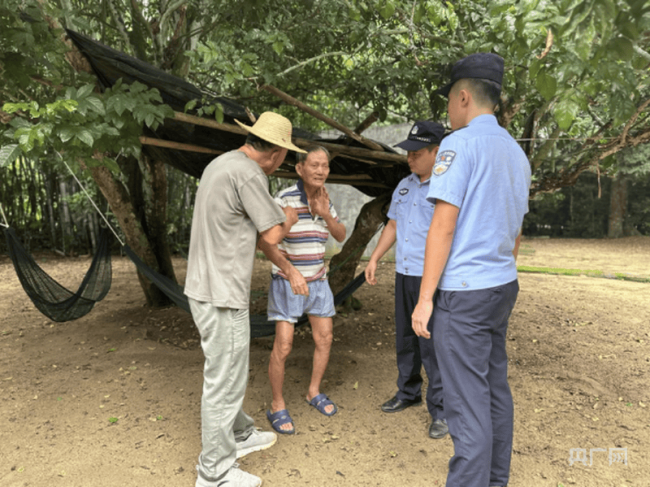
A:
{"x":120,"y":25}
{"x":333,"y":123}
{"x":310,"y":60}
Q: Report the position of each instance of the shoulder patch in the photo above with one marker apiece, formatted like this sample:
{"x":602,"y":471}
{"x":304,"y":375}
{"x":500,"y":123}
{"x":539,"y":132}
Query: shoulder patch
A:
{"x":403,"y":191}
{"x":443,"y":161}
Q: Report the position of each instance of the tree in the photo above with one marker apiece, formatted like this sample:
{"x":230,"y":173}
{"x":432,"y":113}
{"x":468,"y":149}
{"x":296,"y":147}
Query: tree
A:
{"x":576,"y":85}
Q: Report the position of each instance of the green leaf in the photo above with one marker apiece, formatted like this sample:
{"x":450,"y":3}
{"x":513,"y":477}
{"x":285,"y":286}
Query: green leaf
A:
{"x":546,"y":84}
{"x":387,"y":10}
{"x":86,"y":137}
{"x":565,"y":113}
{"x":66,"y":133}
{"x":96,"y":104}
{"x":623,"y":48}
{"x":85,"y":90}
{"x":218,"y":113}
{"x":278,"y":47}
{"x":190,"y":105}
{"x":630,"y":30}
{"x":8,"y":154}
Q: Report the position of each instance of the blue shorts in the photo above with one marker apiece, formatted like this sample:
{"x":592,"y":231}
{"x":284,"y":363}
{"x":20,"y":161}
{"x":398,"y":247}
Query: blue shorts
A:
{"x":286,"y":306}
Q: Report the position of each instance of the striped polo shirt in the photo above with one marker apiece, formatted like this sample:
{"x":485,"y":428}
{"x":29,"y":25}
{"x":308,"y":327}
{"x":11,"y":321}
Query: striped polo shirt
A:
{"x":304,"y":245}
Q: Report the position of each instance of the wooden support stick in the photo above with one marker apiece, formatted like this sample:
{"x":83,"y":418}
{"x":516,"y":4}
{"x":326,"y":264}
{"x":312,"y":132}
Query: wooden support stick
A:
{"x":334,"y":180}
{"x":341,"y":149}
{"x":329,"y":121}
{"x":293,"y":175}
{"x":206,"y":122}
{"x":168,"y":144}
{"x":354,"y":151}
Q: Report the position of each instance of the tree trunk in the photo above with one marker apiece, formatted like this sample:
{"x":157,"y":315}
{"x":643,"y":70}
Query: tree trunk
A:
{"x":371,"y":216}
{"x":617,"y":206}
{"x":158,"y":217}
{"x":120,"y":203}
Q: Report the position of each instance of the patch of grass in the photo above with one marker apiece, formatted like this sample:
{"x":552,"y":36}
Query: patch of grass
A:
{"x":559,"y":271}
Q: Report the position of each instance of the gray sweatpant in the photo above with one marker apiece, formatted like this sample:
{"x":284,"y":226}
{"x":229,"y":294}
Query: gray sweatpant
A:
{"x":225,"y":339}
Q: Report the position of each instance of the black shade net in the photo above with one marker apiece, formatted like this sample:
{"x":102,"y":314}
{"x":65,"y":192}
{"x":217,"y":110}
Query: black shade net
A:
{"x":60,"y":304}
{"x":51,"y":298}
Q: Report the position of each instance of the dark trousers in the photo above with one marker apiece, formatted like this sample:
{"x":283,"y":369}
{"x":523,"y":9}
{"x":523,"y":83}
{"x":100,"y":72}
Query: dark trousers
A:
{"x":414,"y":352}
{"x":470,"y":342}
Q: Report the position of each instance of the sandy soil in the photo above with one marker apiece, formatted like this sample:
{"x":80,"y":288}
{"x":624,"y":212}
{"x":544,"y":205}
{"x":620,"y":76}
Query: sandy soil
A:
{"x":579,"y":361}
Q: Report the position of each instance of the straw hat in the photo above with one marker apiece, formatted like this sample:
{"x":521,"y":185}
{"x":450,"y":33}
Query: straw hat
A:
{"x":273,"y":128}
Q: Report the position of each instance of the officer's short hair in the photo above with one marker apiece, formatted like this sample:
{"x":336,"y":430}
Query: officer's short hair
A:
{"x":300,"y":158}
{"x":485,"y":92}
{"x":430,"y":147}
{"x":260,"y":144}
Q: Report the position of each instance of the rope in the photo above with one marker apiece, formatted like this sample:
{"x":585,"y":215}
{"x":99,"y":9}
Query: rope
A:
{"x":91,"y":201}
{"x":6,"y":223}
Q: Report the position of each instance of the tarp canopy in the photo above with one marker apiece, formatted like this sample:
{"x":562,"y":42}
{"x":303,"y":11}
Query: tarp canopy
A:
{"x":365,"y":169}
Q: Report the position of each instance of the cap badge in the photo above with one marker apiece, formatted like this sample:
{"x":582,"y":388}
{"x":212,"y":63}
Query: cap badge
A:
{"x":415,"y":130}
{"x":443,"y":161}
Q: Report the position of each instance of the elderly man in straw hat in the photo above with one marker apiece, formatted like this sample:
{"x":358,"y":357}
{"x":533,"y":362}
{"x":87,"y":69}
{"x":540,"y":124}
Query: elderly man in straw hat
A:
{"x":232,"y":206}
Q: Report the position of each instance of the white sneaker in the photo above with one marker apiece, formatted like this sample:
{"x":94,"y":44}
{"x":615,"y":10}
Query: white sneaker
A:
{"x":233,"y":478}
{"x":257,"y":441}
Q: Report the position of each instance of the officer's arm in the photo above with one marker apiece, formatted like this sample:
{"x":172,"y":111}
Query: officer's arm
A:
{"x":515,"y":251}
{"x":386,"y":241}
{"x":436,"y":253}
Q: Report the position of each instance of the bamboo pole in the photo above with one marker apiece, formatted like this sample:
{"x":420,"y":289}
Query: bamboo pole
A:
{"x":293,"y":175}
{"x":329,"y":121}
{"x":168,"y":144}
{"x":341,"y":149}
{"x":335,"y":180}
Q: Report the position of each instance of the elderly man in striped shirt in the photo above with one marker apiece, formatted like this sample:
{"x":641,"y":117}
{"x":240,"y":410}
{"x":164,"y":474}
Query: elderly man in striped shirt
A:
{"x":311,"y":218}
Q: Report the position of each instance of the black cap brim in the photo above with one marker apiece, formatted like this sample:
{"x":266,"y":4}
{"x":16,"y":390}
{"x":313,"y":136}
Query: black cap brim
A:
{"x":444,"y":91}
{"x":413,"y":145}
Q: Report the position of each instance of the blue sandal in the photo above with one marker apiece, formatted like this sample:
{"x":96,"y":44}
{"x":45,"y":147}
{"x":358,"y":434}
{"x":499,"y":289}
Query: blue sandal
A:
{"x":280,"y":418}
{"x":320,"y":402}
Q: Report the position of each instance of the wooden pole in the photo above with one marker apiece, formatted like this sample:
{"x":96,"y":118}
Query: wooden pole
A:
{"x":329,"y":121}
{"x":341,"y":149}
{"x":336,"y":179}
{"x":168,"y":144}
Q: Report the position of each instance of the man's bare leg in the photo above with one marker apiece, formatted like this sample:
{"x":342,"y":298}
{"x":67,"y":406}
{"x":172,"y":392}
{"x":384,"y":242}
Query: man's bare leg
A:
{"x":281,"y":348}
{"x":322,"y":332}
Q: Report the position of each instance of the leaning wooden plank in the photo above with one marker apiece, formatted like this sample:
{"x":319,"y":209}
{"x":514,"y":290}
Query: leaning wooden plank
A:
{"x":338,"y":148}
{"x":329,"y":121}
{"x":168,"y":144}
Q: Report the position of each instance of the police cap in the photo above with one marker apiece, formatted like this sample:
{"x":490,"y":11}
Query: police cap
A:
{"x":484,"y":65}
{"x":422,"y":134}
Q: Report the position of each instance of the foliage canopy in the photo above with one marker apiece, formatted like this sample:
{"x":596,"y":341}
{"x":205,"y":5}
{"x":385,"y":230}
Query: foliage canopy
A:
{"x":576,"y":70}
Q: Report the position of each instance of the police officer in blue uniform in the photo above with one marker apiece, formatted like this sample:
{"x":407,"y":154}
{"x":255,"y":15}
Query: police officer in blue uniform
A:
{"x":480,"y":186}
{"x":409,"y":218}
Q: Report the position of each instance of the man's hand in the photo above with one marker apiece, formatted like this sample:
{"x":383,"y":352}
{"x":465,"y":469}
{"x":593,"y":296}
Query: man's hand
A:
{"x":291,"y":214}
{"x":320,"y":204}
{"x":297,"y":282}
{"x":420,"y":318}
{"x":371,"y":268}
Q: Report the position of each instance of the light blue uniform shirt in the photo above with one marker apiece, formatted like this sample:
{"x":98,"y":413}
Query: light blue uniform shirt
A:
{"x":412,"y":213}
{"x":481,"y":170}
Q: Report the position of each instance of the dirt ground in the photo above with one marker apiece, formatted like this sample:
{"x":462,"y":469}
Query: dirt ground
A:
{"x":579,"y":362}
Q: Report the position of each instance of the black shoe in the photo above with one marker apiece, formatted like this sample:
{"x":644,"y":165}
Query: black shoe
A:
{"x":438,"y":429}
{"x":395,"y":405}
